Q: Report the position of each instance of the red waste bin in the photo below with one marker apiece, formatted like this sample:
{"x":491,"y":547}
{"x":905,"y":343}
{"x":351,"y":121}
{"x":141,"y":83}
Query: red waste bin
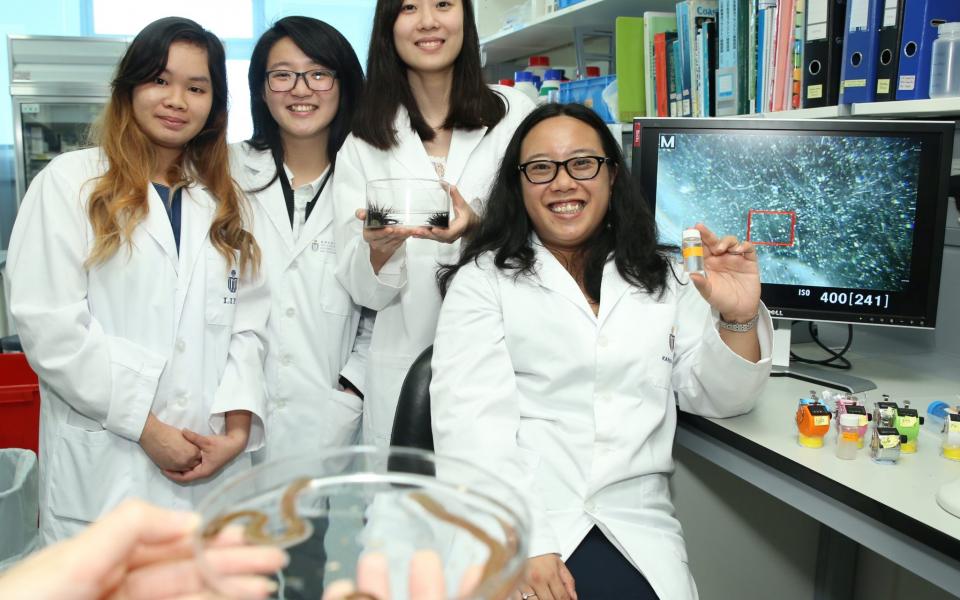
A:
{"x":19,"y":403}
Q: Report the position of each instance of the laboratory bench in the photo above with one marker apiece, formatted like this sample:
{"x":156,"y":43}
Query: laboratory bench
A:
{"x":889,"y":508}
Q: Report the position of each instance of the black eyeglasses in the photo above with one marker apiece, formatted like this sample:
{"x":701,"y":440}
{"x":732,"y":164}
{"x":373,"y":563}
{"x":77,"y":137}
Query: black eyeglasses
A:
{"x":579,"y":167}
{"x":318,"y":80}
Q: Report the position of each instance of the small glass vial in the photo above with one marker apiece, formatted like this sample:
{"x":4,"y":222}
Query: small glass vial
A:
{"x":945,"y":62}
{"x":692,"y":249}
{"x":848,"y":436}
{"x":950,"y":448}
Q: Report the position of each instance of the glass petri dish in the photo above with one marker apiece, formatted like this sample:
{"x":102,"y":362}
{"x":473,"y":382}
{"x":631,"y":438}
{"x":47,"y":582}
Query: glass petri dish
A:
{"x":336,"y":509}
{"x":407,"y":203}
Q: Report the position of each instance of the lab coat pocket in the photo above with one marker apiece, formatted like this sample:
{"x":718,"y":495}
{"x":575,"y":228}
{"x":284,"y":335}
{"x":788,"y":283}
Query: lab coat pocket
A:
{"x":530,"y":465}
{"x":655,"y":348}
{"x":88,"y":473}
{"x":528,"y":461}
{"x":342,"y":414}
{"x":333,"y":298}
{"x":385,"y":374}
{"x":222,"y":285}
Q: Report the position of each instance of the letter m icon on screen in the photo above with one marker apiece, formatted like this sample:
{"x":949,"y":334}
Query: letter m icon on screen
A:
{"x":667,"y":142}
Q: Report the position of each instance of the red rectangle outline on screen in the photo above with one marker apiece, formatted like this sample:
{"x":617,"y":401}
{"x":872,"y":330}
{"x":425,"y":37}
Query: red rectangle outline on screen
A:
{"x":793,"y":226}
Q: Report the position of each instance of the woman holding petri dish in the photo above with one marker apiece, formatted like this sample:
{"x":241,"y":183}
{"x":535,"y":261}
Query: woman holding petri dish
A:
{"x":426,"y":115}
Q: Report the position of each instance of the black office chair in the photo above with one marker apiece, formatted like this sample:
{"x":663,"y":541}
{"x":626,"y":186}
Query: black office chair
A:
{"x":411,"y":423}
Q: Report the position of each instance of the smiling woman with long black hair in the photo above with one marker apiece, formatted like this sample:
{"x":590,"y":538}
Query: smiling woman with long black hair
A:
{"x":565,"y":333}
{"x":426,"y":114}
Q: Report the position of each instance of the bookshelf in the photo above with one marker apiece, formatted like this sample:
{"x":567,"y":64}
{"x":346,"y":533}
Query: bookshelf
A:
{"x":940,"y":108}
{"x":552,"y":30}
{"x":910,"y":109}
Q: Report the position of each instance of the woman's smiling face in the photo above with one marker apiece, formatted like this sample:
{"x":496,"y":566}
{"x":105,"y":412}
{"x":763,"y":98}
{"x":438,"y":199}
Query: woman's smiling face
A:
{"x":565,"y":212}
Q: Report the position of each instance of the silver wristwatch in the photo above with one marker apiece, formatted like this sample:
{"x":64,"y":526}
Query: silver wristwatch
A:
{"x":739,"y":327}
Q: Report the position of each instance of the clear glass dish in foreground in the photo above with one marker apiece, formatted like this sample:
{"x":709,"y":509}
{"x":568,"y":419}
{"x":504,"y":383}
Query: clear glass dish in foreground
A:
{"x":331,"y":509}
{"x":407,"y":203}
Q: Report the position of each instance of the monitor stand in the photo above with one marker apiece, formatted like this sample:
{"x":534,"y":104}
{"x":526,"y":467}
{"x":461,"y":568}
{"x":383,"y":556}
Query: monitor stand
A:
{"x":832,"y":378}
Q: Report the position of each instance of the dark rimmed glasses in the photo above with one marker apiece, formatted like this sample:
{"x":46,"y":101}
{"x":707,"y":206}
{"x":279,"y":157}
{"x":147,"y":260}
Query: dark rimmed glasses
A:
{"x":579,"y":167}
{"x":318,"y":80}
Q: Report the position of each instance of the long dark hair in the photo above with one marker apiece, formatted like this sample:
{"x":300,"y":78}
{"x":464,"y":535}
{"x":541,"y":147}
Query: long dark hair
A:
{"x":118,"y":202}
{"x":324,"y":45}
{"x":628,"y":232}
{"x":472,"y":104}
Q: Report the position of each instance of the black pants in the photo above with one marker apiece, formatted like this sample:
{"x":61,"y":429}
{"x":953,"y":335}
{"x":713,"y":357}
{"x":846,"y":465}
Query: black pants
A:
{"x":602,"y":573}
{"x":303,"y":577}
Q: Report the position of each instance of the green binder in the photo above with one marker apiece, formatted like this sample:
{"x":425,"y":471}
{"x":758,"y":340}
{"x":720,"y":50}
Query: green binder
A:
{"x":630,"y":79}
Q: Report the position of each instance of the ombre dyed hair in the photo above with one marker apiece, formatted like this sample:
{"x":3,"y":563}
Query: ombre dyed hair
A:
{"x":118,"y":202}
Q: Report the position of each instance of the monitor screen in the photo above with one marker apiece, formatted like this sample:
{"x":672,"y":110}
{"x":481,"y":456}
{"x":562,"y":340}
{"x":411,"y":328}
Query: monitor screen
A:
{"x":847,"y":217}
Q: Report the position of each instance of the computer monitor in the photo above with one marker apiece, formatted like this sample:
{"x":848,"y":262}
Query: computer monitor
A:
{"x":847,"y":217}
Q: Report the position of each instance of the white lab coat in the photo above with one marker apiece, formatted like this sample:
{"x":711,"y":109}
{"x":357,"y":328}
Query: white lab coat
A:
{"x":578,"y":410}
{"x":312,"y":324}
{"x":405,"y":293}
{"x":149,"y":330}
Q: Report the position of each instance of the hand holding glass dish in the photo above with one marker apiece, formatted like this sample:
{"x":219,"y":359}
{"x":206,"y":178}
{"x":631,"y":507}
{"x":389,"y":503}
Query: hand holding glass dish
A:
{"x":386,"y":519}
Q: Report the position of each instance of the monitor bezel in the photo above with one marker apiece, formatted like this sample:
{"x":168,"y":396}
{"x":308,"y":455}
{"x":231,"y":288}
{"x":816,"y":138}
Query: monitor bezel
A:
{"x":934,"y":180}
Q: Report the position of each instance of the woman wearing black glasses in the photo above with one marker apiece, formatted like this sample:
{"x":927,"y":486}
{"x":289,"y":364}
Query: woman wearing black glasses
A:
{"x":564,"y":334}
{"x":305,"y":80}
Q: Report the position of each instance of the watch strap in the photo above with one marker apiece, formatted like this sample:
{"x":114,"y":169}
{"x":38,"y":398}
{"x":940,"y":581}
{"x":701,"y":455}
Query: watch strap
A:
{"x":737,"y":326}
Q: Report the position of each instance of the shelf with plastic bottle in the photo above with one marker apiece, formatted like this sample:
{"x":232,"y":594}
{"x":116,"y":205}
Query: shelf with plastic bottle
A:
{"x":503,"y":42}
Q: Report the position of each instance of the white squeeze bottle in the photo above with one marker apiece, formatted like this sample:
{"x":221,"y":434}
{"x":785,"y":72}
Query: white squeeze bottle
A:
{"x":945,"y":65}
{"x":523,"y":81}
{"x":550,"y":90}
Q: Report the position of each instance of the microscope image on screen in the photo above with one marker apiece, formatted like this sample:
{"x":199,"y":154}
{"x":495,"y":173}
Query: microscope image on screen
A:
{"x":826,"y":211}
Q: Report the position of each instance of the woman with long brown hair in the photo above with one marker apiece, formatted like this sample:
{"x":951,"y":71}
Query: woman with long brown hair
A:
{"x":135,"y":290}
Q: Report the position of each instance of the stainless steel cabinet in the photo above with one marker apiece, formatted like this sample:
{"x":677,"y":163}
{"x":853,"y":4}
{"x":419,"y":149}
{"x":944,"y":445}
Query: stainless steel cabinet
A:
{"x":46,"y":127}
{"x":59,"y":86}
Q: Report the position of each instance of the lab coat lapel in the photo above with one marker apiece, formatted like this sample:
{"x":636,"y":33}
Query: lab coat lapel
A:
{"x":612,"y":289}
{"x":196,"y":214}
{"x":462,"y":145}
{"x":410,"y":151}
{"x":552,"y":275}
{"x":158,"y":226}
{"x":261,"y":168}
{"x":320,"y":217}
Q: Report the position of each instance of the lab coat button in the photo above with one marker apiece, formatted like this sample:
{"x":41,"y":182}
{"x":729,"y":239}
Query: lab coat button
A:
{"x":293,"y":265}
{"x":590,"y":506}
{"x":291,"y":312}
{"x":602,"y":341}
{"x":181,"y":345}
{"x":287,"y":360}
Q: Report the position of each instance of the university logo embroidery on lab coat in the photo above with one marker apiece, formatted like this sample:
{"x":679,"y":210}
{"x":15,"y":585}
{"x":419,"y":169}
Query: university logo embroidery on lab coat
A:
{"x":232,"y":281}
